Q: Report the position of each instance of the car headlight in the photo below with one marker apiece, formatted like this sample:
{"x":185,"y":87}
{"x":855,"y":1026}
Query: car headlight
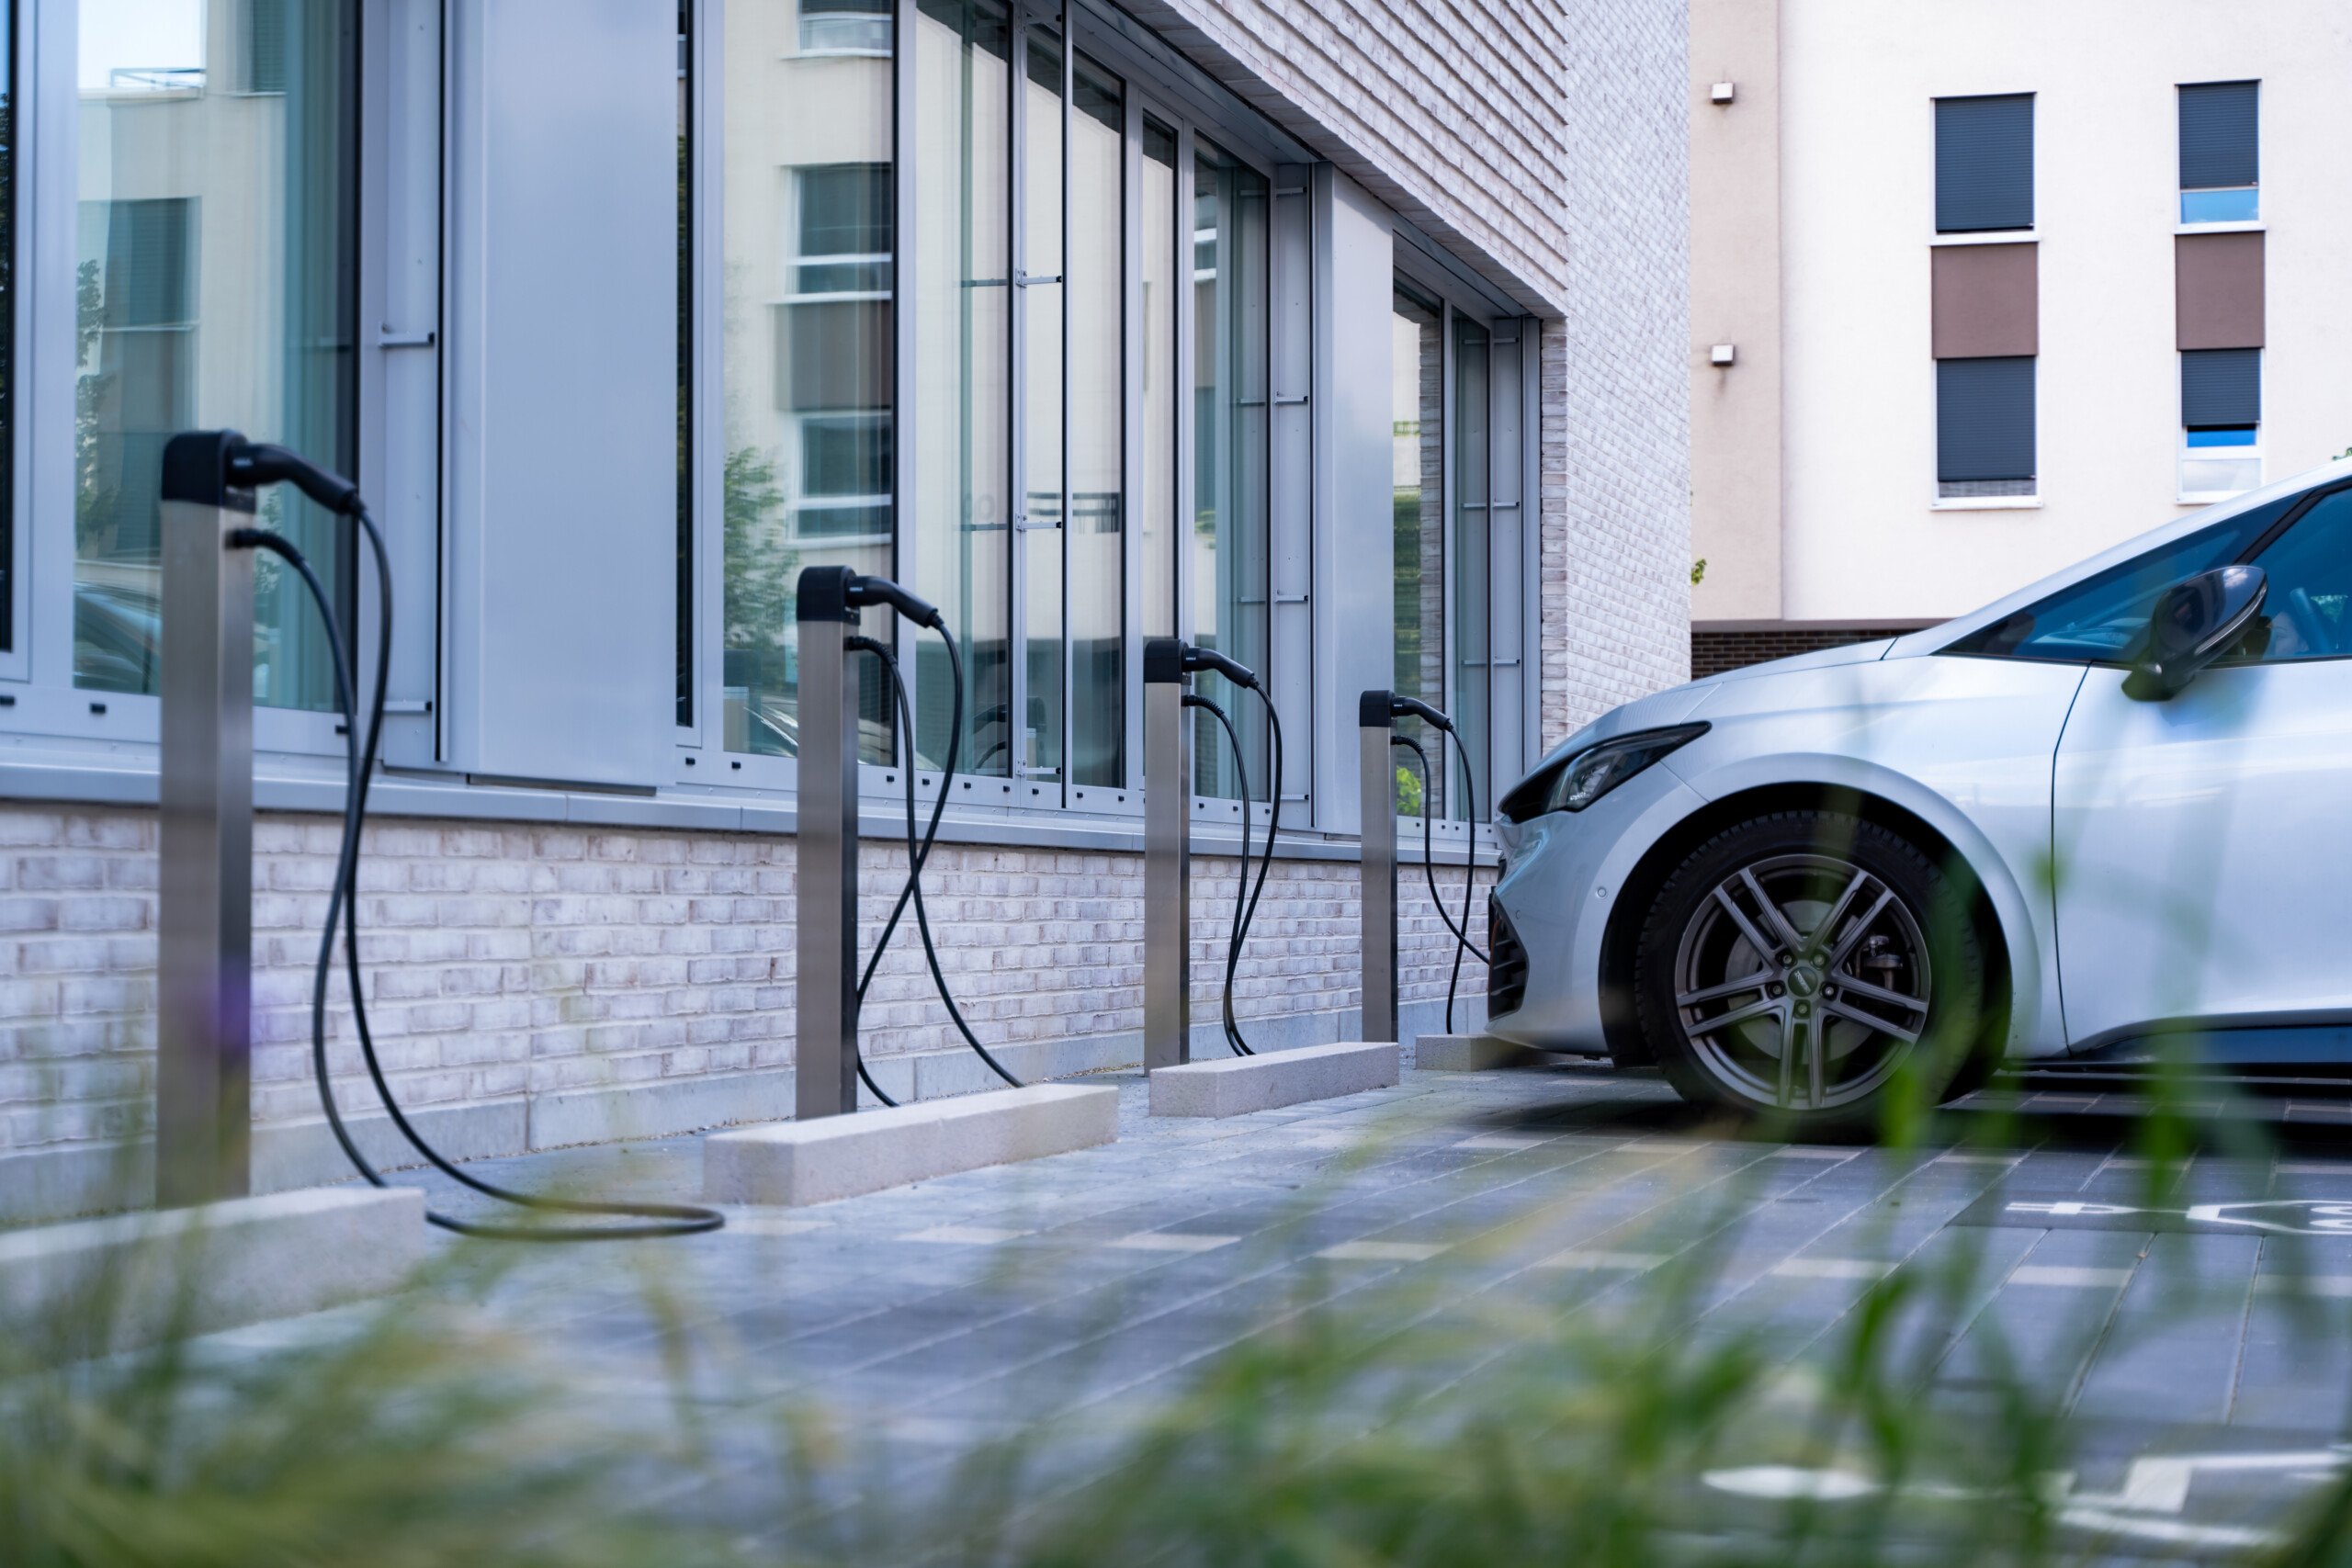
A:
{"x":1582,"y":777}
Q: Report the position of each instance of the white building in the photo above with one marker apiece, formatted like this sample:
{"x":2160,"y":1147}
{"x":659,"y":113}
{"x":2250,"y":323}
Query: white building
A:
{"x":2149,"y":307}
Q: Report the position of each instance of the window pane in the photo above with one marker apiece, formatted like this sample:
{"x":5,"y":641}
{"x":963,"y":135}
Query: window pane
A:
{"x":963,"y":281}
{"x":809,"y":388}
{"x":1039,"y":740}
{"x":1097,"y":431}
{"x":1472,"y":568}
{"x":7,"y":327}
{"x":686,"y":585}
{"x":2097,"y":619}
{"x":2307,"y":612}
{"x":1417,"y":417}
{"x":214,"y":288}
{"x":1229,"y":536}
{"x":1159,"y":328}
{"x":1984,"y":164}
{"x":2240,"y":205}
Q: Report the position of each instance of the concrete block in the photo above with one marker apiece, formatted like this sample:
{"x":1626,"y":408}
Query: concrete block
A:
{"x":1231,"y":1086}
{"x":842,"y":1156}
{"x":1471,"y":1054}
{"x":92,"y":1287}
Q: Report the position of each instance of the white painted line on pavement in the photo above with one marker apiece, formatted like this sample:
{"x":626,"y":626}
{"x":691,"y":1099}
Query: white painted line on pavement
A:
{"x":1970,"y":1156}
{"x":1502,"y":1140}
{"x":965,"y":1235}
{"x":1796,"y":1152}
{"x":1381,"y":1251}
{"x":1832,"y":1269}
{"x":1174,"y":1241}
{"x":1603,"y":1259}
{"x":2068,"y":1274}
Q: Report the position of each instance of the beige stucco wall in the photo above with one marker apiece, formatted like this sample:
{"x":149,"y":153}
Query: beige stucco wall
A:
{"x":1735,"y":298}
{"x":1862,"y":536}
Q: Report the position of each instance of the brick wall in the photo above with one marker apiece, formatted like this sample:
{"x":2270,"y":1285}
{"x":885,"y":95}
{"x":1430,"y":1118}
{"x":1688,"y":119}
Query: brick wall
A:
{"x":1447,"y":110}
{"x":1714,"y":652}
{"x":512,"y":961}
{"x":1614,"y":481}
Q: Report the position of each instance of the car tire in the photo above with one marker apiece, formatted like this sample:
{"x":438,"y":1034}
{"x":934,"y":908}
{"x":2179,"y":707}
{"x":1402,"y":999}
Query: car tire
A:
{"x":1813,"y":968}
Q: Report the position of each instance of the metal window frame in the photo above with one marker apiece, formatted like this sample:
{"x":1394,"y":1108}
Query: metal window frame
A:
{"x":1513,"y":575}
{"x":24,"y":71}
{"x":37,"y":671}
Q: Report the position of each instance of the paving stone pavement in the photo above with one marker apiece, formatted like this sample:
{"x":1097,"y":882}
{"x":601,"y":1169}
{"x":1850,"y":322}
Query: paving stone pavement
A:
{"x":2190,"y":1316}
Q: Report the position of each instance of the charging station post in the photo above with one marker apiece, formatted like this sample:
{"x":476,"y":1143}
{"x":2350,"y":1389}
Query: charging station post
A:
{"x":1167,"y":856}
{"x":825,"y":988}
{"x":1377,"y":785}
{"x":205,"y":879}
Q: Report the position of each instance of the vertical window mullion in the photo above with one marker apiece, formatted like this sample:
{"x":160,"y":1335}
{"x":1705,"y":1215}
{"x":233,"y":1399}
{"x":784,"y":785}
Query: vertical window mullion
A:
{"x":1017,"y":434}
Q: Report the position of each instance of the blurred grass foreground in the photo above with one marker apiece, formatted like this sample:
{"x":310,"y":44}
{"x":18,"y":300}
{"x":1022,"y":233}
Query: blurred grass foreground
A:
{"x":1492,"y":1412}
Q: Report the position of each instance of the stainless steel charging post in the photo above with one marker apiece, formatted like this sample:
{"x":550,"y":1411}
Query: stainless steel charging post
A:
{"x":1167,"y":856}
{"x":825,"y":988}
{"x":204,"y":952}
{"x":1376,"y":786}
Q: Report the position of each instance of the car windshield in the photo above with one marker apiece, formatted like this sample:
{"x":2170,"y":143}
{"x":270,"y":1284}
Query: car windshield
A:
{"x":2097,"y":620}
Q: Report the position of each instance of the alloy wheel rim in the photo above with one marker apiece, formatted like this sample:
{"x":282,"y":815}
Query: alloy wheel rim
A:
{"x":1803,"y":982}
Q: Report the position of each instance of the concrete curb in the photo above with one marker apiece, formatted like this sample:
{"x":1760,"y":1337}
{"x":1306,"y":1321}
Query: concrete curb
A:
{"x":843,"y":1156}
{"x":130,"y":1280}
{"x":1471,"y":1054}
{"x":1232,"y":1086}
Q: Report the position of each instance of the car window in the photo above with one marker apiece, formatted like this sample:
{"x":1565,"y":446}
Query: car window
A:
{"x":2307,"y":601}
{"x":2098,"y":620}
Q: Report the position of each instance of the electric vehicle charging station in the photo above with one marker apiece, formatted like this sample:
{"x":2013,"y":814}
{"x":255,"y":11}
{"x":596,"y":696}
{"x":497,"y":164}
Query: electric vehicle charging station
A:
{"x":832,"y":1149}
{"x":254,"y":1258}
{"x":1245,"y":1081}
{"x":1376,"y":715}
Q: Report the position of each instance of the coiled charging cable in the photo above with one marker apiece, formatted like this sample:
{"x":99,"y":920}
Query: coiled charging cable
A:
{"x":665,"y":1219}
{"x":1469,"y":863}
{"x":919,"y":848}
{"x":1245,"y":908}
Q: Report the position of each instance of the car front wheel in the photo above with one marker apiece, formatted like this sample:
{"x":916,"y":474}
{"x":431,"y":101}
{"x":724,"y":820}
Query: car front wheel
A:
{"x":1805,"y":963}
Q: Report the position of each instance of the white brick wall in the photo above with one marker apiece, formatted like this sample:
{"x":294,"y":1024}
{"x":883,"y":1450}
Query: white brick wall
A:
{"x":1615,"y":402}
{"x":520,"y":960}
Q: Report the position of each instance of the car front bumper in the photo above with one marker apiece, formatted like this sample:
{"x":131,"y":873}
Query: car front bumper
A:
{"x":1562,"y":875}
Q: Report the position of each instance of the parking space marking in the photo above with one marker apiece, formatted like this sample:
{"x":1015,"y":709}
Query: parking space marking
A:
{"x":965,"y":1235}
{"x":1381,"y":1251}
{"x":1832,"y":1269}
{"x":1796,"y":1151}
{"x":1970,"y":1156}
{"x":1572,"y":1258}
{"x":1502,"y":1140}
{"x":772,"y":1224}
{"x":2328,"y":1287}
{"x":2314,"y":1167}
{"x":2068,"y":1275}
{"x":1174,"y":1241}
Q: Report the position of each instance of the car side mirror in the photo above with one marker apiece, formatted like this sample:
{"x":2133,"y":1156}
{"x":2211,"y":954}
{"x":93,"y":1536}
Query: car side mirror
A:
{"x":2195,"y":622}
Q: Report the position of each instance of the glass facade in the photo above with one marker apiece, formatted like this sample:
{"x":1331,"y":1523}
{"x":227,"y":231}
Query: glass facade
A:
{"x":7,"y":327}
{"x":1231,"y":543}
{"x":806,"y":349}
{"x":1156,"y":502}
{"x":1472,"y":566}
{"x":216,"y":286}
{"x":1098,"y":499}
{"x":1417,"y":420}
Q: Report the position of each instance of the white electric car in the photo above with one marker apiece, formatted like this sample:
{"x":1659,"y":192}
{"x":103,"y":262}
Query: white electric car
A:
{"x":2115,"y":805}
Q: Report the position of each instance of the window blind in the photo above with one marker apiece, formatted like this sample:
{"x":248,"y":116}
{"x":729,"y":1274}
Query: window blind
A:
{"x":1984,"y":163}
{"x":1984,"y":419}
{"x":2219,"y":140}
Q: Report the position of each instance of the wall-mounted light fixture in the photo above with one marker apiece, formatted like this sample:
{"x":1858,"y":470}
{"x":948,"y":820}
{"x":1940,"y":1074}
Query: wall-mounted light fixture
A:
{"x":1721,"y":93}
{"x":1723,"y":354}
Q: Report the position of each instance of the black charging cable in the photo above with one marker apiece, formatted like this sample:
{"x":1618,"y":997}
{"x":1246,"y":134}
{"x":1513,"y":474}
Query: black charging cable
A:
{"x":1246,"y":895}
{"x":919,"y":848}
{"x":1428,"y":865}
{"x":263,"y":465}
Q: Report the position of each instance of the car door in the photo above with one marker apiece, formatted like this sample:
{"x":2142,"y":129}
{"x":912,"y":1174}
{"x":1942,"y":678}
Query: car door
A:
{"x":2201,"y":846}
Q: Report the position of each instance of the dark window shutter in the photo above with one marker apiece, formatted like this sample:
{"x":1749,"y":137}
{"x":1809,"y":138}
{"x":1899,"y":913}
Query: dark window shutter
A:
{"x":2219,"y":142}
{"x":1984,"y":163}
{"x":2221,"y":387}
{"x":1984,"y":419}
